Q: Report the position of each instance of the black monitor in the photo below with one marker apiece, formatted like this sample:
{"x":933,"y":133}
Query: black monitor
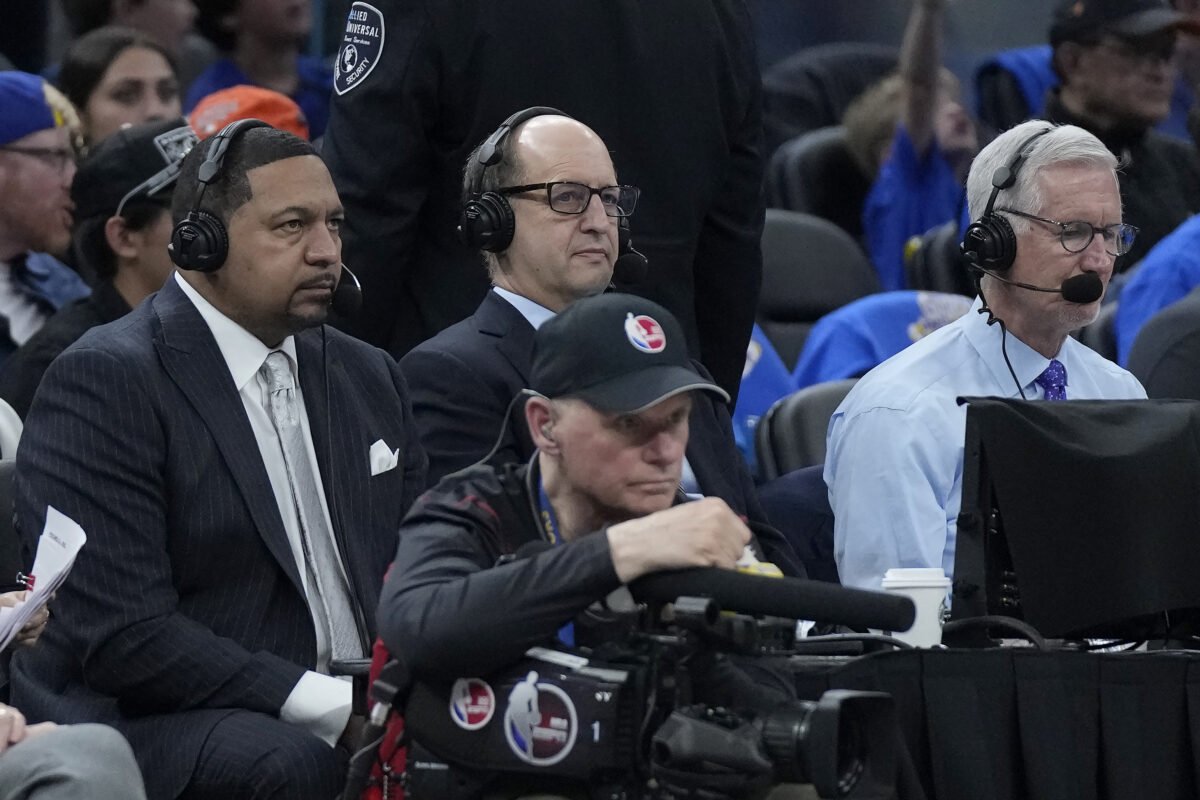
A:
{"x":1081,"y":518}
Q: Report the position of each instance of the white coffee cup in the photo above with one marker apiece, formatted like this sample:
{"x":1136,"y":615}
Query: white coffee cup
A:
{"x":927,"y":587}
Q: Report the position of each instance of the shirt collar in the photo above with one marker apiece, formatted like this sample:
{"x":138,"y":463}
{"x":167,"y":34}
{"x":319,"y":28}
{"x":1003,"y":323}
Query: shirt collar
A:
{"x":244,"y":353}
{"x":533,"y":313}
{"x":1026,"y":362}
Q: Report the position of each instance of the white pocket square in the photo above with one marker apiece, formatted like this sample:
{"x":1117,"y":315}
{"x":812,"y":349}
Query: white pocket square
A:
{"x":383,"y":458}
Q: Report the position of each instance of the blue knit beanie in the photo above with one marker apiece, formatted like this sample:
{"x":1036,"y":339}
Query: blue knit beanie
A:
{"x":24,"y":108}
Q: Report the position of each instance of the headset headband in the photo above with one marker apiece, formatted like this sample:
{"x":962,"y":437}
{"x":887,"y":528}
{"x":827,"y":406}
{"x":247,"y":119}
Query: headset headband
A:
{"x":490,"y":154}
{"x":1006,"y":176}
{"x":211,"y":168}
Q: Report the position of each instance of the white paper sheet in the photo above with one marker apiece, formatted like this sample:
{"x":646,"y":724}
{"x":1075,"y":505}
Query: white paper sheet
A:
{"x":58,"y":545}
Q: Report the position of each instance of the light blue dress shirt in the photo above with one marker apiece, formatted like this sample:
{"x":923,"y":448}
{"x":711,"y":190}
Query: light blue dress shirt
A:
{"x":895,"y":444}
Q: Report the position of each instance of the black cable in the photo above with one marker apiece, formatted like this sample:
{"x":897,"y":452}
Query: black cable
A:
{"x":359,"y":772}
{"x":994,"y":320}
{"x":1024,"y":629}
{"x":524,"y":394}
{"x":882,"y":638}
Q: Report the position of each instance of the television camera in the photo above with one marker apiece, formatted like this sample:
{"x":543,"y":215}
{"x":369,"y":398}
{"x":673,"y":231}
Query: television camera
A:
{"x":623,"y":720}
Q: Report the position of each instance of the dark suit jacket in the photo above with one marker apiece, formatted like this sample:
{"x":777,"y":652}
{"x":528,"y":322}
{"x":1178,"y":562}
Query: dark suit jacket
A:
{"x":463,"y":381}
{"x":186,"y":600}
{"x":677,"y":100}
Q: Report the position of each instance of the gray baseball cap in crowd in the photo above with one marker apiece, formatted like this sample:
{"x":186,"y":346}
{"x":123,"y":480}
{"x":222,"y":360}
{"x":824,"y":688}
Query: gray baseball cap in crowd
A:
{"x":619,"y":353}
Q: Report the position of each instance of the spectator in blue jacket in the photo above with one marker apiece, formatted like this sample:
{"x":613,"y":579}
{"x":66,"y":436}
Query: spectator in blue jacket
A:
{"x":912,"y":133}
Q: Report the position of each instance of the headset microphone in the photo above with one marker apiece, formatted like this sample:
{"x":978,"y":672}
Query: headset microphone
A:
{"x":630,"y":267}
{"x":1083,"y":288}
{"x":347,"y":295}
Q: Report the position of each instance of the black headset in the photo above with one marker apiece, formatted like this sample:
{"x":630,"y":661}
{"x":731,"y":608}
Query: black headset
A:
{"x":199,"y":241}
{"x":989,"y":243}
{"x":487,"y":221}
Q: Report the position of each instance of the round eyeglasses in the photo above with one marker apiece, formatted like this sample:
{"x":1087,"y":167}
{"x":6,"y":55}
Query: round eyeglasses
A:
{"x":1076,"y":235}
{"x":567,"y":197}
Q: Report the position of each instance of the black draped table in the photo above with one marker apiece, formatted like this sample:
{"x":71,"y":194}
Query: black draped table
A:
{"x":1030,"y":725}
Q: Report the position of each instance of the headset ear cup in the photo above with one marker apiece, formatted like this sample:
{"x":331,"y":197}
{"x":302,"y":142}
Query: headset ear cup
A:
{"x":199,"y":242}
{"x":472,"y":225}
{"x":487,"y":223}
{"x":992,"y":241}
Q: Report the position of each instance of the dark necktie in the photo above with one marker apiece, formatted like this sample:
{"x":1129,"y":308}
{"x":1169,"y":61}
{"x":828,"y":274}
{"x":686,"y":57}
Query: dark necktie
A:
{"x":329,"y":595}
{"x":1053,"y":380}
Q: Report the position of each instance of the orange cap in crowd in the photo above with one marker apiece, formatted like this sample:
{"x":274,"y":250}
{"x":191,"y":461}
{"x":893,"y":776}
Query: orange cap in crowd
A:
{"x":220,"y":108}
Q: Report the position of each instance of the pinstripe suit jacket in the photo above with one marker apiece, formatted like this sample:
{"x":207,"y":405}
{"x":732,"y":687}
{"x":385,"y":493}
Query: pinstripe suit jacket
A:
{"x":186,"y":600}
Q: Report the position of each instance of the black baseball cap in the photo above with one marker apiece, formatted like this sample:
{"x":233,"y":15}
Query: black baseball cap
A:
{"x":619,"y":353}
{"x":1083,"y":19}
{"x":138,"y":161}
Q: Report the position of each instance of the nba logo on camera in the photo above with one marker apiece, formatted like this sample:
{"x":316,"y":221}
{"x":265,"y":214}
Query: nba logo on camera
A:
{"x":645,"y":333}
{"x":472,"y":703}
{"x":540,"y":723}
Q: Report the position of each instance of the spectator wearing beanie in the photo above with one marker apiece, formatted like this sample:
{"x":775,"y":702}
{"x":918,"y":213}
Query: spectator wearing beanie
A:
{"x":38,"y":140}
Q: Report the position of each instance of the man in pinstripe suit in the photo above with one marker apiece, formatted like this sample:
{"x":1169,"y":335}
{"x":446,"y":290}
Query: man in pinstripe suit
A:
{"x":195,"y":618}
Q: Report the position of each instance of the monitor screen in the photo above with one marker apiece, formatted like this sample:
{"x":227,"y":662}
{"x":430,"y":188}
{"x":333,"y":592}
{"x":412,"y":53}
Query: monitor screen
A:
{"x":1082,"y":518}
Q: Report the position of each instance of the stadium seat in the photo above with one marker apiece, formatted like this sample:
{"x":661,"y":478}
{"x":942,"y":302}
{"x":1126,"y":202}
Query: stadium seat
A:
{"x":811,"y":89}
{"x":11,"y":558}
{"x":791,"y":435}
{"x":814,"y":173}
{"x":933,"y":263}
{"x":810,"y":267}
{"x":1101,"y":335}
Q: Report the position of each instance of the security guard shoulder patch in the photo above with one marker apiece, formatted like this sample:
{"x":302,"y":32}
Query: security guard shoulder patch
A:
{"x":362,"y":45}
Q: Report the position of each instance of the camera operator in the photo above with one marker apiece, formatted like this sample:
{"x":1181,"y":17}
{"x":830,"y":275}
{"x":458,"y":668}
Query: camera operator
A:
{"x":613,"y":387}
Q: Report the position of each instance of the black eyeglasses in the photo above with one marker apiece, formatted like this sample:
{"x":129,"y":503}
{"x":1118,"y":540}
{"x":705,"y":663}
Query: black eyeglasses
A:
{"x":56,"y":159}
{"x":566,"y":197}
{"x":1076,"y":235}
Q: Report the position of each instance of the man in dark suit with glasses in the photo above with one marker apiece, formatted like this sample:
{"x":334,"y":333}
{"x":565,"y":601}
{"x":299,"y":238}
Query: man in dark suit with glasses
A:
{"x":543,"y":204}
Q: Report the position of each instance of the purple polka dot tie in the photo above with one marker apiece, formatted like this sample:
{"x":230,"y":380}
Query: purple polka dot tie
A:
{"x":1053,"y":380}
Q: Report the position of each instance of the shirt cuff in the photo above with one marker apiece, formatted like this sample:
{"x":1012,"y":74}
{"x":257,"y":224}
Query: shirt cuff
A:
{"x":321,"y":704}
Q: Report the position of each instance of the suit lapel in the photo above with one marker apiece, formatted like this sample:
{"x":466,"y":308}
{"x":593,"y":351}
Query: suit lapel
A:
{"x":497,"y":317}
{"x":345,"y":467}
{"x":191,"y":358}
{"x":324,"y":397}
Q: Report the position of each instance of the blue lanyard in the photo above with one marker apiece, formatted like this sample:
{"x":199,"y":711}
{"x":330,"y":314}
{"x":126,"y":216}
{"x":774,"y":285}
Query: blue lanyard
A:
{"x":546,"y":515}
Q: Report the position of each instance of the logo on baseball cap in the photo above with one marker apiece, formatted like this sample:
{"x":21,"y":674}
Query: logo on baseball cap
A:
{"x":619,"y":353}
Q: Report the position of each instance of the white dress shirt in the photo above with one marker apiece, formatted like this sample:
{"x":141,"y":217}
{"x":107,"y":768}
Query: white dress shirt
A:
{"x":24,"y":316}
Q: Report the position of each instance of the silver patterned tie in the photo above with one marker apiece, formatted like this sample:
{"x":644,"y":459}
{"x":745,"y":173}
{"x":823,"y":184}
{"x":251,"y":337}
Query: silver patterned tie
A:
{"x":329,"y":595}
